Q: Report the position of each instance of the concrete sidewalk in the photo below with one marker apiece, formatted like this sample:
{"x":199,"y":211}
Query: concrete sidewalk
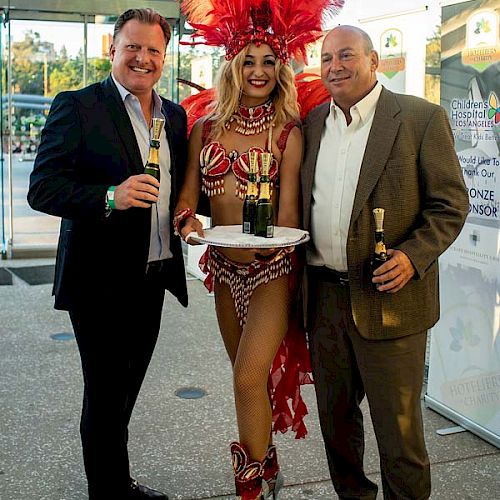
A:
{"x":177,"y":445}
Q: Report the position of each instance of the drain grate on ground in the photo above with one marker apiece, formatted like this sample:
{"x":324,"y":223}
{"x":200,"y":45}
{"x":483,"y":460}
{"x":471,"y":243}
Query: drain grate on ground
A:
{"x":62,"y":336}
{"x":35,"y":275}
{"x":190,"y":393}
{"x":5,"y":277}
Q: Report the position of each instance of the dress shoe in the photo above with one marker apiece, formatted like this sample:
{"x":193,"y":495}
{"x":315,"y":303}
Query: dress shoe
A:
{"x":140,"y":492}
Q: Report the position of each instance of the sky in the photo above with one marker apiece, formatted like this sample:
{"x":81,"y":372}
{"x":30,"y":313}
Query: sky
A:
{"x":68,"y":34}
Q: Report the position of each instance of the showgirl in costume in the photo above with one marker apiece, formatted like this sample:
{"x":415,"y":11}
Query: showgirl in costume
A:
{"x":254,"y":109}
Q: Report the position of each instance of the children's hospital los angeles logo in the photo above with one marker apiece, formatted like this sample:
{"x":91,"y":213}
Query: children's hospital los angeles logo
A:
{"x":476,"y":115}
{"x":482,"y":47}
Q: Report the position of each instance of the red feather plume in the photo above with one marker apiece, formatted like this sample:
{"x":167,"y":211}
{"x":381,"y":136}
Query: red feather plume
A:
{"x":288,"y":26}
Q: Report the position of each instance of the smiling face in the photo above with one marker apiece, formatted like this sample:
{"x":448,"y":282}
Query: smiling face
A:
{"x":137,"y":55}
{"x":348,"y":66}
{"x":259,"y":75}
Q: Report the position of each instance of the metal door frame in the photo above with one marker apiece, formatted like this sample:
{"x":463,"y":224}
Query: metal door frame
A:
{"x":84,"y":11}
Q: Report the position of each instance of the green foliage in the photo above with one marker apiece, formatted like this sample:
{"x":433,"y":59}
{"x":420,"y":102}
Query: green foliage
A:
{"x":38,"y":69}
{"x":433,"y":49}
{"x":98,"y":69}
{"x":65,"y":76}
{"x":28,"y":57}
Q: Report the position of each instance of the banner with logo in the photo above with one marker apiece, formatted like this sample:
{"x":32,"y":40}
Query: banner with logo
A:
{"x":392,"y":64}
{"x":464,"y":367}
{"x":400,"y":41}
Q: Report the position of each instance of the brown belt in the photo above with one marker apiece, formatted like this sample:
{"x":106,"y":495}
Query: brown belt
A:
{"x":324,"y":273}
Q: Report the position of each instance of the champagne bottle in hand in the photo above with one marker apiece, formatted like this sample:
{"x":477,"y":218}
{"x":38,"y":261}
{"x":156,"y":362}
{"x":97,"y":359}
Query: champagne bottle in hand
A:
{"x":380,"y":252}
{"x":153,"y":163}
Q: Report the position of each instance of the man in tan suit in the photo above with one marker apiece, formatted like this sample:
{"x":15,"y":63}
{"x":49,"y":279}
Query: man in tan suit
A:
{"x":371,"y":148}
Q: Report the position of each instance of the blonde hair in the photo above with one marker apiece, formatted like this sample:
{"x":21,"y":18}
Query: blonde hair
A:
{"x":228,"y":93}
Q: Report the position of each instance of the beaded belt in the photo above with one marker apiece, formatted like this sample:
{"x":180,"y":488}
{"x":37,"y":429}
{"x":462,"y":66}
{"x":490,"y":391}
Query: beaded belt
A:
{"x":243,"y":279}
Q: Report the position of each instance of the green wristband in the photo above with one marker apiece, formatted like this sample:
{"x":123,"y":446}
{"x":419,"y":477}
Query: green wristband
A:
{"x":110,"y":197}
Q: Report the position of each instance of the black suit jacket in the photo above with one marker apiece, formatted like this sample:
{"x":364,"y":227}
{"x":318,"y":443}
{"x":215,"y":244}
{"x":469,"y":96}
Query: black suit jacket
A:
{"x":88,"y":144}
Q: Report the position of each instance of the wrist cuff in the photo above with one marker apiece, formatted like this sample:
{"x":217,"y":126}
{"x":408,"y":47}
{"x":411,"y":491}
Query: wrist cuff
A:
{"x":179,"y":219}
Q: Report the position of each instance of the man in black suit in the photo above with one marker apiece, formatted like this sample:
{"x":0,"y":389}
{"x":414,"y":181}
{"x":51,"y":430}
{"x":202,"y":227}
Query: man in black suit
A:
{"x":117,"y":250}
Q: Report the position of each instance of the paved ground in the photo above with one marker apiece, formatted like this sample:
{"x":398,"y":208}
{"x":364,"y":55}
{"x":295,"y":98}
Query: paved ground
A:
{"x":177,"y":445}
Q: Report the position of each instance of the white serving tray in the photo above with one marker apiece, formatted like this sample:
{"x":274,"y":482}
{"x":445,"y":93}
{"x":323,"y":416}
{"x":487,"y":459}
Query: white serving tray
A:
{"x":233,"y":237}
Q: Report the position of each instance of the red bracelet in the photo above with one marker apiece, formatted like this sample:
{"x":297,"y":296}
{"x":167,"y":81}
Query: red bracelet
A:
{"x":180,"y":217}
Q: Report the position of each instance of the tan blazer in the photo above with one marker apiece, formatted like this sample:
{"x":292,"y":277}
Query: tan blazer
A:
{"x":410,"y":169}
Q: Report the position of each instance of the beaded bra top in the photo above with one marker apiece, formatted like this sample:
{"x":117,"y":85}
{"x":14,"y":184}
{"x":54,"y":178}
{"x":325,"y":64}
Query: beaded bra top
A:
{"x":215,"y":163}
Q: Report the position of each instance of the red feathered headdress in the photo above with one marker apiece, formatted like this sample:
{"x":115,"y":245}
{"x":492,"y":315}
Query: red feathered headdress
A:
{"x":287,"y":26}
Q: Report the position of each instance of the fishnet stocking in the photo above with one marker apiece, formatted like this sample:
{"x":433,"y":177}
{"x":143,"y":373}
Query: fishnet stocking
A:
{"x":252,"y":351}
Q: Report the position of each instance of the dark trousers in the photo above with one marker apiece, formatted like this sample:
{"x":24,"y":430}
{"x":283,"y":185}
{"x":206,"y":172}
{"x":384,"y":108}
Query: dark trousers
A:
{"x":390,"y":372}
{"x":116,"y":338}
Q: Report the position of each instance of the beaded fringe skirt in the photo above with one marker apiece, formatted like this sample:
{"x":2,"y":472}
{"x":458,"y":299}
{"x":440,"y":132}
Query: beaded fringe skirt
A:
{"x":243,"y":279}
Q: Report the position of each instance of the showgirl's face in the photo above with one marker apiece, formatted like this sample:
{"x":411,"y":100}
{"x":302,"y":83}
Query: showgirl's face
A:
{"x":259,"y":75}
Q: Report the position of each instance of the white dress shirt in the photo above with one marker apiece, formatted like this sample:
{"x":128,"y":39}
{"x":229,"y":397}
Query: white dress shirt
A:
{"x":159,"y":247}
{"x":340,"y":155}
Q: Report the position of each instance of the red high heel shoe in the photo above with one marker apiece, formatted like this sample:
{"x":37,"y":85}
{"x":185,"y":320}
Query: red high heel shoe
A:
{"x":272,"y":475}
{"x":247,"y":473}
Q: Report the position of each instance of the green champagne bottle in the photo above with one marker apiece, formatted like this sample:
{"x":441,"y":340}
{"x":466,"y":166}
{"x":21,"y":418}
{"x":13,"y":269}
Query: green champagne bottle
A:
{"x":250,"y":203}
{"x":152,"y":166}
{"x":264,"y":219}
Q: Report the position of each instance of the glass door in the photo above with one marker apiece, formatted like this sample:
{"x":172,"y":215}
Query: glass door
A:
{"x":3,"y":173}
{"x":44,"y":54}
{"x":45,"y":57}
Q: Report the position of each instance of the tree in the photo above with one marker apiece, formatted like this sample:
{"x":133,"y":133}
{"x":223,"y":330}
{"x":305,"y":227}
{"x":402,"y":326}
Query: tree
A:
{"x":63,"y":54}
{"x":28,"y":59}
{"x":65,"y":76}
{"x":98,"y":69}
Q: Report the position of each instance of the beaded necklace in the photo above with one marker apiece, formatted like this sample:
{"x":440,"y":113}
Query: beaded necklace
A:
{"x":252,"y":120}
